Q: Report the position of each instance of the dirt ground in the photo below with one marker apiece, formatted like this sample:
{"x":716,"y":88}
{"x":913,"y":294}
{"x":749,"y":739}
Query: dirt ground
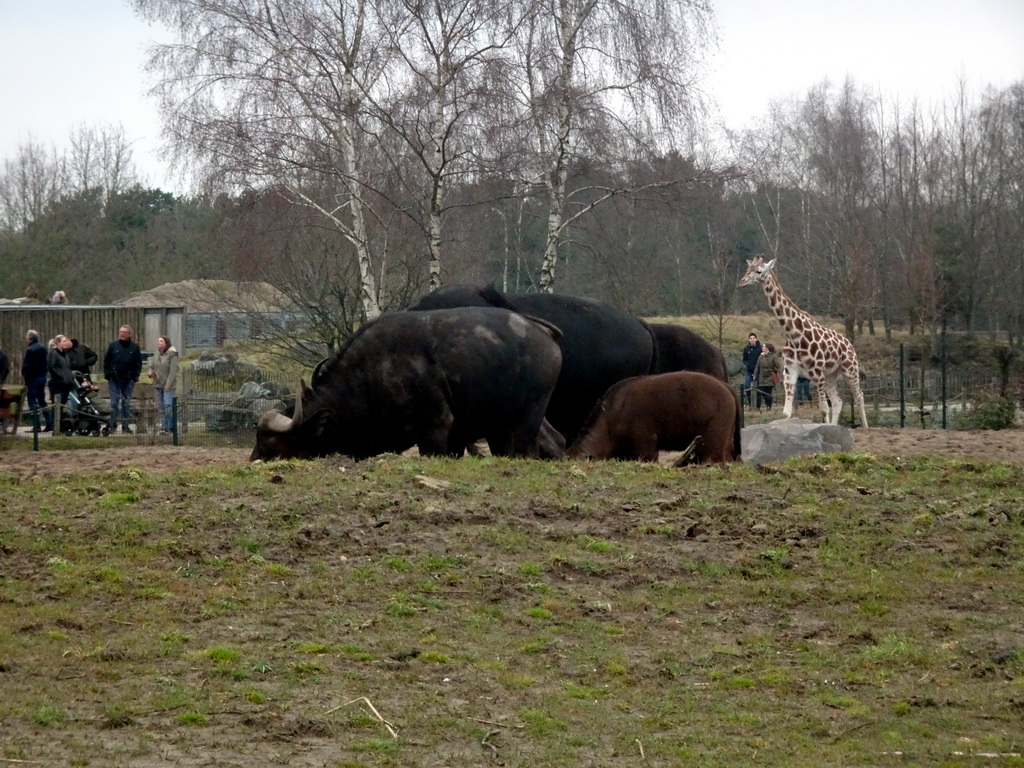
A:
{"x":739,"y":620}
{"x":1004,"y":445}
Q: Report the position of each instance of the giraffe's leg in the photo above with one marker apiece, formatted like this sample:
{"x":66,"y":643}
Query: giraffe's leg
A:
{"x":789,"y":389}
{"x":787,"y":408}
{"x":789,"y":374}
{"x":822,"y":389}
{"x":858,"y":396}
{"x":836,"y":401}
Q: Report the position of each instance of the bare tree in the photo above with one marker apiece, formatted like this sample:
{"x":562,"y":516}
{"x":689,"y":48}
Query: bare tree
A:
{"x":595,"y":72}
{"x":29,"y":183}
{"x":907,"y":278}
{"x":53,"y":206}
{"x":440,"y":98}
{"x":963,"y":179}
{"x":101,"y":157}
{"x":273,"y":92}
{"x":723,"y":233}
{"x":814,"y":173}
{"x":843,"y":175}
{"x":1002,"y":116}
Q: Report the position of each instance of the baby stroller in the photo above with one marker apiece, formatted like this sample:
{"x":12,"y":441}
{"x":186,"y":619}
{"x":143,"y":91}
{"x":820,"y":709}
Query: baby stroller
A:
{"x":81,"y":416}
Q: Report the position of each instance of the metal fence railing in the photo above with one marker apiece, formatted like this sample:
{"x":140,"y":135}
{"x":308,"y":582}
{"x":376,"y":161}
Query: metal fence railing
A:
{"x":220,"y":416}
{"x":892,"y":403}
{"x":209,"y":419}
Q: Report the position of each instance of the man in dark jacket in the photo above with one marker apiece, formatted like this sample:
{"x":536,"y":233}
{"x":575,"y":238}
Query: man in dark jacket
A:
{"x":81,"y":357}
{"x":750,"y":354}
{"x":122,"y":366}
{"x":33,"y":371}
{"x":62,"y":378}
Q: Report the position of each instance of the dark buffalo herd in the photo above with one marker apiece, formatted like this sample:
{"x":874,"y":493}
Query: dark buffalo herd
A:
{"x":525,"y":372}
{"x":600,"y":344}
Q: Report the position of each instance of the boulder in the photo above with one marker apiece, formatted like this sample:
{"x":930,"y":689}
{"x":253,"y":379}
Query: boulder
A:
{"x":250,"y":402}
{"x":784,"y":438}
{"x":220,"y":418}
{"x":225,"y":365}
{"x":734,"y":365}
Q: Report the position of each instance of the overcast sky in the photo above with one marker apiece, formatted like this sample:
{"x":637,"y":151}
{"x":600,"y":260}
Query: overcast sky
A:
{"x":65,"y":63}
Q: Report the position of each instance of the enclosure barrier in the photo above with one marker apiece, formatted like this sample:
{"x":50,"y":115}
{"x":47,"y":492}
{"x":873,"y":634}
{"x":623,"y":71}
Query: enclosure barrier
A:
{"x":206,"y":413}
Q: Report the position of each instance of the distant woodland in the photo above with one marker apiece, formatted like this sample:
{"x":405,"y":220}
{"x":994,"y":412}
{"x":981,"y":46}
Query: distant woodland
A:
{"x":513,"y":145}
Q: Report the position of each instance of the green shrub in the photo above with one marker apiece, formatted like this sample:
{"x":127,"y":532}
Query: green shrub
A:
{"x":991,"y":411}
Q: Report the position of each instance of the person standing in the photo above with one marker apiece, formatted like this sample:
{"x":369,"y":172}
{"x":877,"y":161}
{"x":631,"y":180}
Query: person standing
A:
{"x":33,"y":371}
{"x":62,"y":378}
{"x":163,"y":369}
{"x":81,"y":357}
{"x":5,"y":371}
{"x":766,"y":375}
{"x":750,"y":354}
{"x":122,"y":366}
{"x":803,"y":390}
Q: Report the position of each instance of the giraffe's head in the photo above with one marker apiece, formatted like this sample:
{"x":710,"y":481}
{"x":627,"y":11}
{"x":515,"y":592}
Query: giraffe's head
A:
{"x":757,"y":271}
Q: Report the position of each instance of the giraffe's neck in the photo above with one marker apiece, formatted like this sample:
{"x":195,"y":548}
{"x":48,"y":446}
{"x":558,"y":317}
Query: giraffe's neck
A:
{"x":786,"y":312}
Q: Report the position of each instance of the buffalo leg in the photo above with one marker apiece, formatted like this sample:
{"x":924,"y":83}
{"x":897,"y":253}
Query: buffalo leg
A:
{"x":719,"y":443}
{"x":524,"y":442}
{"x":550,"y":442}
{"x":500,"y":444}
{"x":439,"y":441}
{"x":474,"y":449}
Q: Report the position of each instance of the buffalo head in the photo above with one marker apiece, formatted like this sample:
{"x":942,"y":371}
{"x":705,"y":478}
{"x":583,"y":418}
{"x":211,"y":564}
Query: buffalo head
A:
{"x":297,"y":437}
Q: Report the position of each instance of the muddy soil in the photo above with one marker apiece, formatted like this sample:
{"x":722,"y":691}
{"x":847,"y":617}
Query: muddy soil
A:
{"x":1004,"y":445}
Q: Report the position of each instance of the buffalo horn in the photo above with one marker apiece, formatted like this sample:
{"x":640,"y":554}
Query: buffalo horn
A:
{"x":275,"y":421}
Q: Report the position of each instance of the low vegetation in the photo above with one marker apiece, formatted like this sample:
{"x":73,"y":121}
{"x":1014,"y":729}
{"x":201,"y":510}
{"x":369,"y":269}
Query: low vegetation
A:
{"x":831,"y":611}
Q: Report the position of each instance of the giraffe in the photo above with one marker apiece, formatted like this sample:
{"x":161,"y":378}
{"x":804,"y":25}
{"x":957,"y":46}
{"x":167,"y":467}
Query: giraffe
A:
{"x":811,"y":349}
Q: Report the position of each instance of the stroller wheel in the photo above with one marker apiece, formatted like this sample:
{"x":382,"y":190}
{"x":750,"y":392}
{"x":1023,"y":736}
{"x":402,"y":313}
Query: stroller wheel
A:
{"x":105,"y":431}
{"x":83,"y":430}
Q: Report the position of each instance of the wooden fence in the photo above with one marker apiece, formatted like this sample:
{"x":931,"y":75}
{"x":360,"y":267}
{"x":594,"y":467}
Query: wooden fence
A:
{"x":94,"y":326}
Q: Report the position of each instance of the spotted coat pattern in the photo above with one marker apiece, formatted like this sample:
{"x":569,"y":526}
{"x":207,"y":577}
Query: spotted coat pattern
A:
{"x":812,"y":350}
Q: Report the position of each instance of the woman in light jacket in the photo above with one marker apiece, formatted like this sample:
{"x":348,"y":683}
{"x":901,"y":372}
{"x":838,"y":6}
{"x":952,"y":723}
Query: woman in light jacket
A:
{"x":767,"y":372}
{"x":163,"y":370}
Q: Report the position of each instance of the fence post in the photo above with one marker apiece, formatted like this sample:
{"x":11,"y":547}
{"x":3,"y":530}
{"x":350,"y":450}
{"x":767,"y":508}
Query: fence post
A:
{"x":943,"y":354}
{"x":903,"y":389}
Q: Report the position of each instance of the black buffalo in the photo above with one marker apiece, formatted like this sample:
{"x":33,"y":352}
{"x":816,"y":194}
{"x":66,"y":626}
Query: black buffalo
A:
{"x":438,"y":380}
{"x":600,"y":344}
{"x":680,"y":349}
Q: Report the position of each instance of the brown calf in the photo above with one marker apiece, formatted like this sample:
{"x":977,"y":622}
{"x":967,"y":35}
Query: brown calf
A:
{"x":639,"y":416}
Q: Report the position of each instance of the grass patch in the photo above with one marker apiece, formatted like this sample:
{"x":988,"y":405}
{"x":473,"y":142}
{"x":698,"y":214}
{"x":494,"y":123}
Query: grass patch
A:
{"x":824,"y":613}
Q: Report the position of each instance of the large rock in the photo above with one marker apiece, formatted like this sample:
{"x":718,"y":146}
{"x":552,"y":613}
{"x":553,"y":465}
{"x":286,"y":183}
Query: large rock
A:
{"x":734,"y":365}
{"x":225,"y":365}
{"x":250,"y":402}
{"x":784,"y":438}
